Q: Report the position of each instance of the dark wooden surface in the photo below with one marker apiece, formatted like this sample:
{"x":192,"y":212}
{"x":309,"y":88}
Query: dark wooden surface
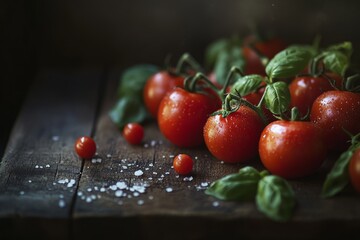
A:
{"x":46,"y":191}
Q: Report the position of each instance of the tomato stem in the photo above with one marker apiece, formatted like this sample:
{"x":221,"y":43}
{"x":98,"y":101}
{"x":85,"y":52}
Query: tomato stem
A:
{"x":186,"y":58}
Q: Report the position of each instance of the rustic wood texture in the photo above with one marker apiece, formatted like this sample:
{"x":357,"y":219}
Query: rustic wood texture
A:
{"x":39,"y":172}
{"x":159,"y":204}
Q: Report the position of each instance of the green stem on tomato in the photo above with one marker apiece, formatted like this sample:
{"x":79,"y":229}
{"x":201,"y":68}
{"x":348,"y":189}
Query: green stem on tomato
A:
{"x":240,"y":101}
{"x":186,"y":58}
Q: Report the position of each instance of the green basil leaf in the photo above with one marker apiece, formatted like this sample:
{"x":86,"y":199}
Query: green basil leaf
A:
{"x":338,"y":177}
{"x":133,"y":79}
{"x":336,"y":61}
{"x":275,"y":198}
{"x":237,"y":186}
{"x":226,"y":60}
{"x":213,"y":51}
{"x":345,"y":48}
{"x":277,"y":97}
{"x":247,"y":84}
{"x":288,"y":63}
{"x":128,"y":109}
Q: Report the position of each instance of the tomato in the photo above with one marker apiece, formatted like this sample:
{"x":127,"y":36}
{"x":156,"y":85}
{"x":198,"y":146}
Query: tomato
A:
{"x":183,"y":164}
{"x":156,"y":87}
{"x":85,"y":147}
{"x":182,"y":116}
{"x":292,"y":149}
{"x":354,"y":170}
{"x":305,"y":89}
{"x":334,"y":112}
{"x":234,"y":138}
{"x":133,"y":133}
{"x":268,"y":48}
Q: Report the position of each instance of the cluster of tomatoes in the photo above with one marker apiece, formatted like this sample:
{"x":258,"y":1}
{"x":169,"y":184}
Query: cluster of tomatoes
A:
{"x":193,"y":109}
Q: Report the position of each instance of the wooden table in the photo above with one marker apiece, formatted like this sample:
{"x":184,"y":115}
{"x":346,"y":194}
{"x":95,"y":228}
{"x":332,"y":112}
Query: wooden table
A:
{"x":47,"y":192}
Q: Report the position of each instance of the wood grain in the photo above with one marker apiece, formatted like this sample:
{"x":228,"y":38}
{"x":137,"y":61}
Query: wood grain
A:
{"x":39,"y":172}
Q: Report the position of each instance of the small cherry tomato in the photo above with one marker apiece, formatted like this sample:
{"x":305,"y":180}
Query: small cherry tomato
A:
{"x":292,"y":149}
{"x":183,"y":164}
{"x":133,"y":133}
{"x":305,"y":89}
{"x":157,"y":86}
{"x":183,"y":114}
{"x":85,"y":147}
{"x":334,"y":112}
{"x":354,"y":170}
{"x":234,"y":138}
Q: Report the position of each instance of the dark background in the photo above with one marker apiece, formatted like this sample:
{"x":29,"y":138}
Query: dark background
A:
{"x":69,"y":33}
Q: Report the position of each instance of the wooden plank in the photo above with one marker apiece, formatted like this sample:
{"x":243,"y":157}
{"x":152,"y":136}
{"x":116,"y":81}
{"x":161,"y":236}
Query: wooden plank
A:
{"x":39,"y":172}
{"x":104,"y":208}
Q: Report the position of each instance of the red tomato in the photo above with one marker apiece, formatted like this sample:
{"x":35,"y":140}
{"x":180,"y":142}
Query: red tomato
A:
{"x":268,"y":48}
{"x":334,"y":111}
{"x":183,"y":164}
{"x":157,"y":86}
{"x":85,"y":147}
{"x":133,"y":133}
{"x":292,"y":149}
{"x":182,"y":116}
{"x":354,"y":170}
{"x":234,"y":138}
{"x":304,"y":90}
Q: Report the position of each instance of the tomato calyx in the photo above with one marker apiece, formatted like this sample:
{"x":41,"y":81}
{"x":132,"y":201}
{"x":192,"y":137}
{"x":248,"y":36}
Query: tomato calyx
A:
{"x":193,"y":82}
{"x":233,"y":102}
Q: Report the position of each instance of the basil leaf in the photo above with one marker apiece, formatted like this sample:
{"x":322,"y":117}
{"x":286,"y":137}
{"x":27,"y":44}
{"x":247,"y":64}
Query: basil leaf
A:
{"x":277,"y":97}
{"x":213,"y":51}
{"x":338,"y":177}
{"x":226,"y":60}
{"x":128,"y":109}
{"x":133,"y":80}
{"x":288,"y":63}
{"x":275,"y":198}
{"x":237,"y":186}
{"x":336,"y":61}
{"x":247,"y":84}
{"x":345,"y":48}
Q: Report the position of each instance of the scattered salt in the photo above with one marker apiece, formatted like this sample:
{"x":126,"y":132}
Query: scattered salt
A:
{"x":138,"y":173}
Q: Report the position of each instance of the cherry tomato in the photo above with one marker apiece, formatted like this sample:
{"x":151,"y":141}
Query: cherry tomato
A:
{"x":234,"y":138}
{"x":157,"y":86}
{"x":182,"y":116}
{"x":334,"y":111}
{"x":183,"y":164}
{"x":292,"y":149}
{"x":354,"y":170}
{"x":305,"y":89}
{"x":85,"y":147}
{"x":133,"y":133}
{"x":268,"y":48}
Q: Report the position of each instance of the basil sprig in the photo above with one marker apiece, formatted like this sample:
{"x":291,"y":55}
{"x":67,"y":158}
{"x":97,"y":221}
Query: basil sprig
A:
{"x":130,"y":106}
{"x":274,"y":196}
{"x":222,"y":55}
{"x":288,"y":62}
{"x":337,"y":179}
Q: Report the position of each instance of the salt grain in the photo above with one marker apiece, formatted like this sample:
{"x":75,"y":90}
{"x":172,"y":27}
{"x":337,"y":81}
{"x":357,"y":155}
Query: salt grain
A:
{"x":138,"y":173}
{"x":118,"y":193}
{"x":61,"y":203}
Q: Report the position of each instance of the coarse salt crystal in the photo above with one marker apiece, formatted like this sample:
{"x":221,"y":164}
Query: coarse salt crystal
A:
{"x":118,"y":193}
{"x":61,"y":203}
{"x":168,"y":189}
{"x":138,"y":173}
